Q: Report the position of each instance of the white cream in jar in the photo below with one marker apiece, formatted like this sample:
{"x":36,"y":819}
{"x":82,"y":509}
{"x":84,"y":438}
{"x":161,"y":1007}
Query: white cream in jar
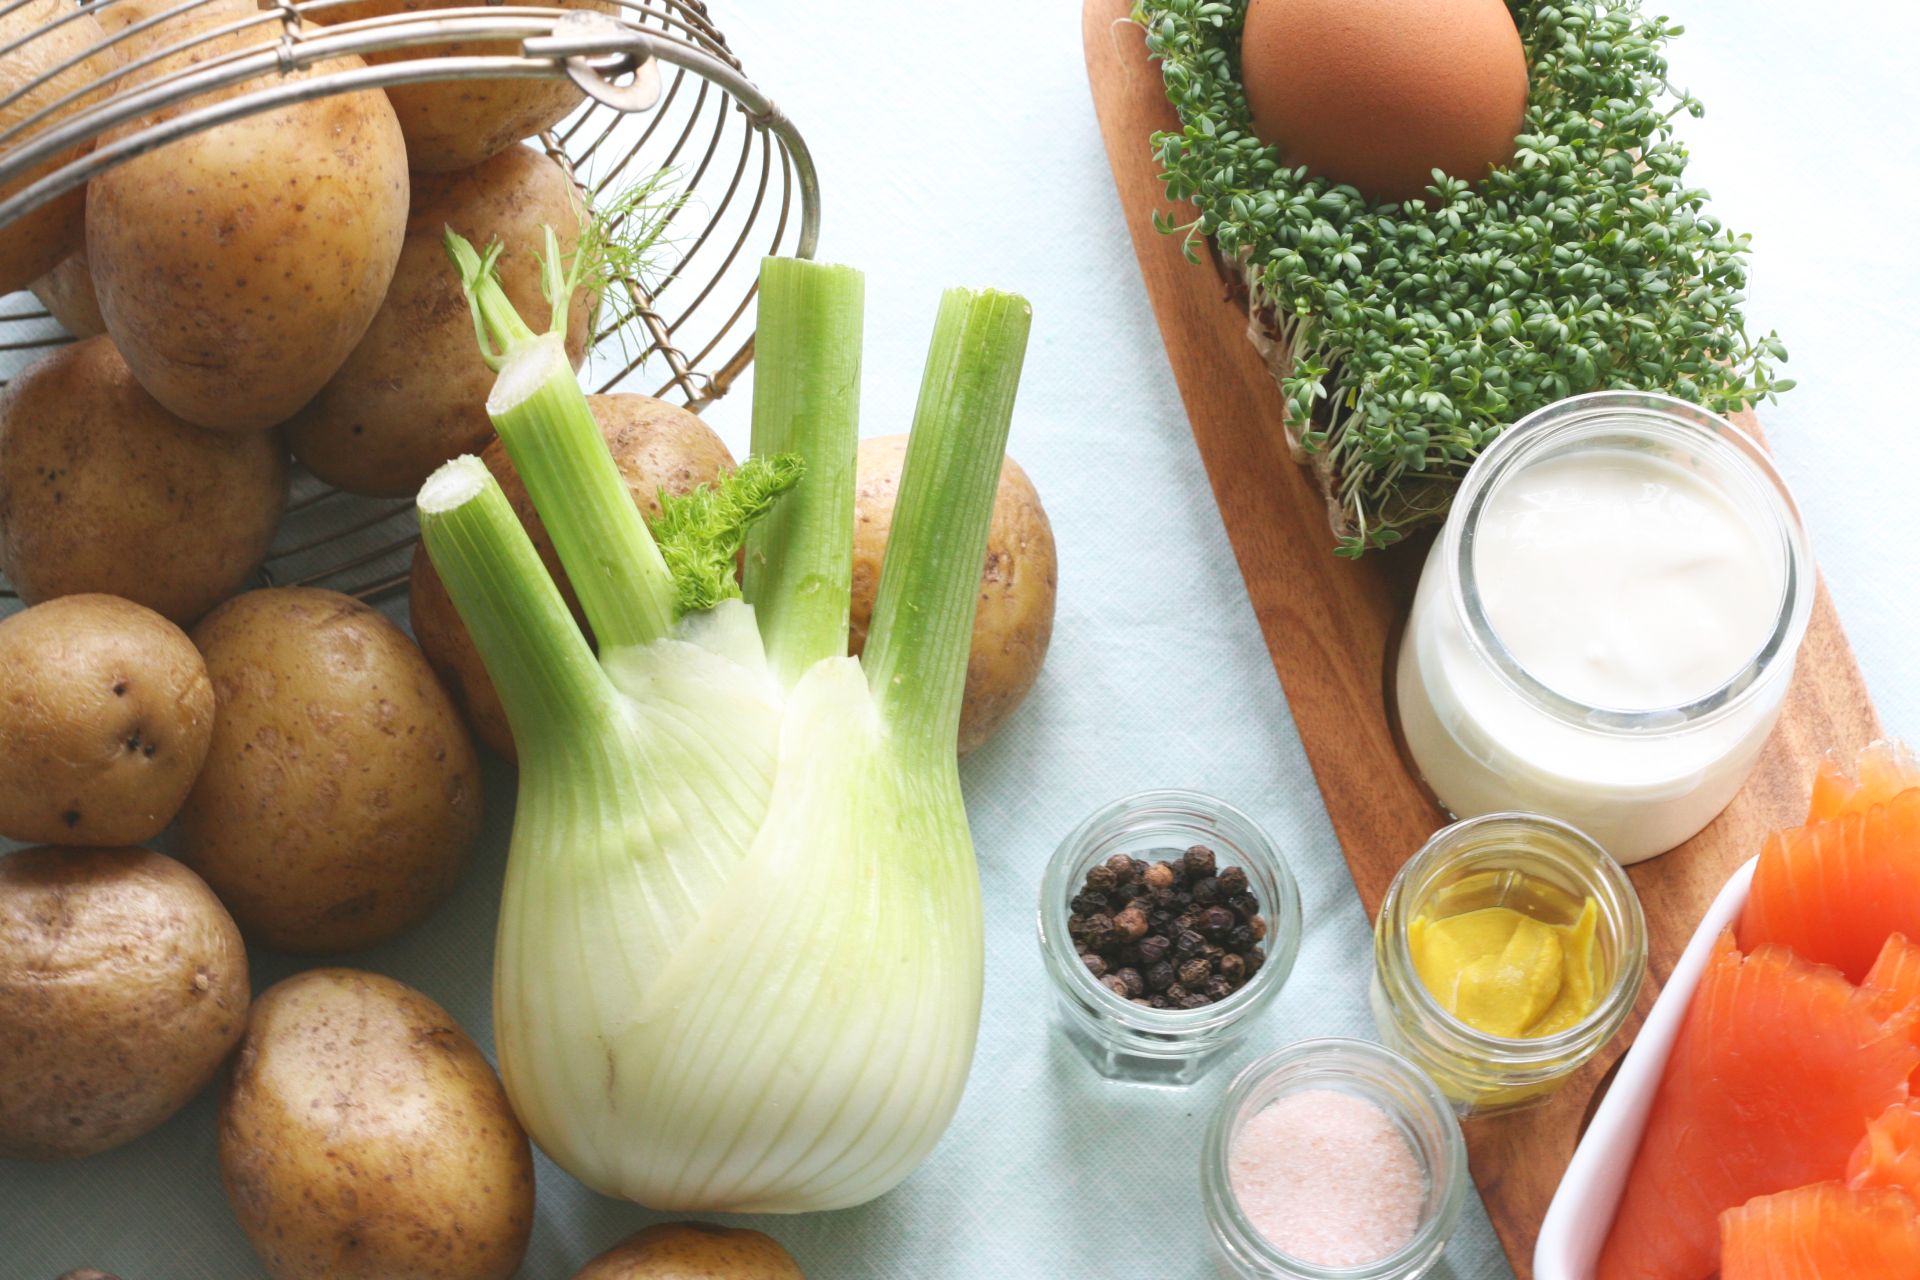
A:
{"x":1606,"y":626}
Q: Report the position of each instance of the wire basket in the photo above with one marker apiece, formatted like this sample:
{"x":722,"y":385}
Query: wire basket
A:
{"x":662,"y":92}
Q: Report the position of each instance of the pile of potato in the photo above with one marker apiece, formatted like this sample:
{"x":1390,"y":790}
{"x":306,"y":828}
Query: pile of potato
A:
{"x":274,"y":291}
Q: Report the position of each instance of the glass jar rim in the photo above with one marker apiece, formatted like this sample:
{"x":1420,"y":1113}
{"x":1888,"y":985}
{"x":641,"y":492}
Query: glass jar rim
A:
{"x":1252,"y":841}
{"x":1447,"y":1195}
{"x":1608,"y":1013}
{"x":1519,"y":444}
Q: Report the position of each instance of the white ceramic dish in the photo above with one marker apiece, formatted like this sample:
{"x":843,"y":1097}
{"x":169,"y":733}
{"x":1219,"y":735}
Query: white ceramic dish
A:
{"x":1583,"y":1207}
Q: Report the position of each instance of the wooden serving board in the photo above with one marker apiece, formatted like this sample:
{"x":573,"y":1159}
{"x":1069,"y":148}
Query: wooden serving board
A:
{"x":1328,"y":623}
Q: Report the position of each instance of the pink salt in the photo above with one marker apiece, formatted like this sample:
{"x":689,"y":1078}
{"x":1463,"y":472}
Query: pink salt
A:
{"x":1328,"y":1178}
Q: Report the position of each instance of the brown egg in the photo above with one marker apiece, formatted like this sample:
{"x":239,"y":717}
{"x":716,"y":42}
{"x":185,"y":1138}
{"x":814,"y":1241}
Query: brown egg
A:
{"x":1379,"y":93}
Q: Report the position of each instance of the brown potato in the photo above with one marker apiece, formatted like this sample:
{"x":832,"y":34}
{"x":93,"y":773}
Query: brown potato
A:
{"x":456,"y":124}
{"x":364,"y":1137}
{"x":103,"y":490}
{"x":238,"y":268}
{"x":656,"y":446}
{"x":32,"y":245}
{"x":123,"y":985}
{"x":1013,"y":621}
{"x":341,"y":793}
{"x":414,"y":392}
{"x":693,"y":1251}
{"x":67,"y":294}
{"x":106,"y":713}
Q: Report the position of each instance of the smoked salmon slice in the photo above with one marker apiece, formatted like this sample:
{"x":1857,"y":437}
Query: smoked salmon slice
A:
{"x":1834,"y":891}
{"x":1889,"y":1156}
{"x":1895,"y":980}
{"x":1882,"y":771}
{"x":1822,"y":1232}
{"x":1777,"y":1069}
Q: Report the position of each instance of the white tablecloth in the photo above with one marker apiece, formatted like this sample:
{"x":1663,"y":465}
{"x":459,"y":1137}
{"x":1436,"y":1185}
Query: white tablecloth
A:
{"x":957,"y":146}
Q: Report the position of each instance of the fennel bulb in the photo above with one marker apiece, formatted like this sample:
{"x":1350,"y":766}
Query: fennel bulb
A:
{"x":739,"y":955}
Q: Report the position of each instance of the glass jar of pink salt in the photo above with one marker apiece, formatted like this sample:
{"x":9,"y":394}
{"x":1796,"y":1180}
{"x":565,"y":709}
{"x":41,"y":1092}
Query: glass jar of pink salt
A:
{"x":1332,"y":1160}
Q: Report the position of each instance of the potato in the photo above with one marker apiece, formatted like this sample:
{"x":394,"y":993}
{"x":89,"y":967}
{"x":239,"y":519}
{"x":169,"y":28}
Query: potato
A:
{"x":414,"y":392}
{"x":693,"y":1251}
{"x":341,"y":793}
{"x":1013,"y":621}
{"x":238,"y":268}
{"x":103,"y":490}
{"x":364,"y":1137}
{"x":656,"y":446}
{"x":32,"y":245}
{"x":106,"y":713}
{"x":67,"y":294}
{"x":123,"y":985}
{"x":456,"y":124}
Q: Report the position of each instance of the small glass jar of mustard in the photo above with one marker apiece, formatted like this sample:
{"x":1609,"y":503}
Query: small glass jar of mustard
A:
{"x":1508,"y":952}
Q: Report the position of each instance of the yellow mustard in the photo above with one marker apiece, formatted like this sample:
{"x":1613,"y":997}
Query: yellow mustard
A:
{"x":1506,"y":974}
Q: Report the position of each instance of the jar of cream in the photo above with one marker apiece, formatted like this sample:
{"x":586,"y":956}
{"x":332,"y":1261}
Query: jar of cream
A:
{"x":1607,"y":623}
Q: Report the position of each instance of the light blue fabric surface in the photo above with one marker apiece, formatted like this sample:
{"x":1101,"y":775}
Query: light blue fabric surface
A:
{"x":957,"y":145}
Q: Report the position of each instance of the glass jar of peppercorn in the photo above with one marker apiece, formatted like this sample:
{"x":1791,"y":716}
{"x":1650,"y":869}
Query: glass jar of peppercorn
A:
{"x":1167,"y":921}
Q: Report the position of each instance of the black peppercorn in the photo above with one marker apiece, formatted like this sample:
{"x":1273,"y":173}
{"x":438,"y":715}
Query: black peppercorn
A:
{"x":1240,"y":937}
{"x":1159,"y":976}
{"x":1232,"y":881}
{"x":1194,"y":1000}
{"x":1088,"y":903}
{"x":1131,"y":924}
{"x":1188,"y":943}
{"x":1100,"y":879}
{"x":1113,"y":983}
{"x":1159,"y":1001}
{"x":1215,"y":922}
{"x":1218,"y":988}
{"x":1095,"y":965}
{"x":1176,"y":993}
{"x":1122,"y":868}
{"x":1206,"y":891}
{"x":1159,"y":877}
{"x":1232,"y":968}
{"x":1131,"y":979}
{"x":1154,"y":948}
{"x":1077,"y":926}
{"x":1138,"y":866}
{"x":1195,"y":972}
{"x":1258,"y":926}
{"x":1254,"y":959}
{"x":1245,"y":904}
{"x":1199,"y":861}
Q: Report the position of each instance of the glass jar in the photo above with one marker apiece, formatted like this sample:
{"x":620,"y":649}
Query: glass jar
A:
{"x":1504,"y":859}
{"x":1173,"y":1047}
{"x":1365,"y":1070}
{"x":1488,"y":736}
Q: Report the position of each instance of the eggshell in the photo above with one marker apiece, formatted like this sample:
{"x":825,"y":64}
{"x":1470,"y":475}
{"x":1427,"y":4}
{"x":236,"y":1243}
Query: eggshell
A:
{"x":1379,"y":93}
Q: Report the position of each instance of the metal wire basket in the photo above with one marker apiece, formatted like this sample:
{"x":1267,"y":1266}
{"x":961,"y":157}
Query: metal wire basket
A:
{"x":662,"y":92}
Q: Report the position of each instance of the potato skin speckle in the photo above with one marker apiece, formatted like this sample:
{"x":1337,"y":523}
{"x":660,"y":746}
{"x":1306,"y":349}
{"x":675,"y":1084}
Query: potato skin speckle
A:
{"x":123,"y":986}
{"x":341,"y":792}
{"x":364,"y":1136}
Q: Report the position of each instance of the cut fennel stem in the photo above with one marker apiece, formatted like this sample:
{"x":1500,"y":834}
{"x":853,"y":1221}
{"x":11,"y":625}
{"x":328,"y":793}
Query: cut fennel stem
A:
{"x":739,"y":957}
